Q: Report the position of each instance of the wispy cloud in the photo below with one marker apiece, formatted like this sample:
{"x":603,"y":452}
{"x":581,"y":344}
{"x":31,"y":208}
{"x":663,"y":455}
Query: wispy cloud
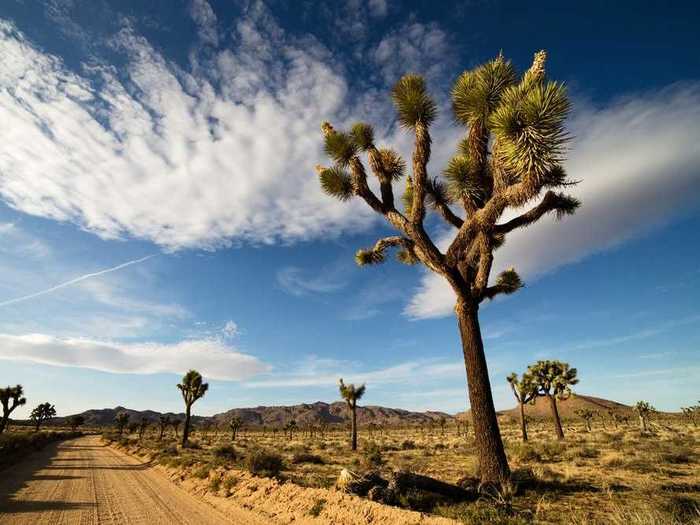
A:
{"x":76,"y":280}
{"x":300,"y":282}
{"x":211,"y":357}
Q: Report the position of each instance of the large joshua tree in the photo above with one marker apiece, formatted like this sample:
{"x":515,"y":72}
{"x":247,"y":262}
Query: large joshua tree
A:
{"x":351,"y":394}
{"x":11,"y":397}
{"x":511,"y":153}
{"x":192,"y":389}
{"x":41,"y":413}
{"x":554,"y":380}
{"x":525,"y":391}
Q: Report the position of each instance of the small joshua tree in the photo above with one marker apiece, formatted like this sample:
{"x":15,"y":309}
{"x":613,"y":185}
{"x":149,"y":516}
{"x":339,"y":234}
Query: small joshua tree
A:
{"x":511,"y":153}
{"x":644,"y":411}
{"x":525,"y":391}
{"x":143,"y":425}
{"x":691,"y":414}
{"x":587,"y":415}
{"x":443,"y":422}
{"x":163,"y":423}
{"x":192,"y":389}
{"x":291,"y":427}
{"x":175,"y":423}
{"x":122,"y":420}
{"x":234,"y":424}
{"x":11,"y":397}
{"x":351,"y":394}
{"x":554,"y":380}
{"x":76,"y":421}
{"x":42,"y":413}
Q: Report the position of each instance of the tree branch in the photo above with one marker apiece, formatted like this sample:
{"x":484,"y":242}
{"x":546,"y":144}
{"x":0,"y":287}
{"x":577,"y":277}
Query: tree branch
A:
{"x":551,"y":202}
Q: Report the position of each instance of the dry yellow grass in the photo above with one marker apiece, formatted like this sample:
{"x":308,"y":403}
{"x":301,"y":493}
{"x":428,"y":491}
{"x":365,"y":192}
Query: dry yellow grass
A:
{"x":606,"y":476}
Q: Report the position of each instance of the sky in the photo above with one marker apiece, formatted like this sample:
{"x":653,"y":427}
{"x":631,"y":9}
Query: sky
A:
{"x":159,"y":208}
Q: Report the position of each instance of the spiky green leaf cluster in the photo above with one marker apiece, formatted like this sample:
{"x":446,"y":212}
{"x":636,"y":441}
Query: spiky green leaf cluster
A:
{"x":394,"y":165}
{"x":462,"y":183}
{"x":340,"y":147}
{"x":407,"y":257}
{"x":412,"y":101}
{"x":643,"y":408}
{"x":566,"y":205}
{"x":530,"y":128}
{"x":365,"y":257}
{"x":362,"y":136}
{"x":509,"y":281}
{"x":336,"y":182}
{"x":553,"y":378}
{"x":436,"y":192}
{"x":476,"y":93}
{"x":350,"y":392}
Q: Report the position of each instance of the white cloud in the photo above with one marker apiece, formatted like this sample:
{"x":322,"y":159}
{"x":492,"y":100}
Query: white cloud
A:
{"x":231,"y":329}
{"x":184,"y":159}
{"x":211,"y":357}
{"x":15,"y":241}
{"x":639,"y":167}
{"x":205,"y":18}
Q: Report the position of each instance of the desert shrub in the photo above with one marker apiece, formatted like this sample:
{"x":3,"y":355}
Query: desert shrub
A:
{"x":679,"y":456}
{"x":317,"y":507}
{"x":224,"y":452}
{"x":683,"y":509}
{"x":194,"y":444}
{"x":201,"y":472}
{"x":408,"y":445}
{"x":372,"y":456}
{"x":481,"y":512}
{"x":419,"y":500}
{"x":523,"y":452}
{"x":15,"y":445}
{"x":306,"y":457}
{"x":229,"y":482}
{"x":583,"y":452}
{"x":170,"y":450}
{"x":264,"y":463}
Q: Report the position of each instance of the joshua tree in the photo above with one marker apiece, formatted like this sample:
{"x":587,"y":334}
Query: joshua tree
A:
{"x":587,"y":415}
{"x":41,"y":413}
{"x":691,"y":414}
{"x":122,"y":420}
{"x":525,"y":391}
{"x":290,"y":427}
{"x":351,"y":393}
{"x":163,"y":423}
{"x":75,"y":421}
{"x":143,"y":425}
{"x":554,"y":380}
{"x":15,"y":394}
{"x":644,"y":410}
{"x":511,"y":153}
{"x":235,"y":424}
{"x":192,"y":389}
{"x":442,"y":422}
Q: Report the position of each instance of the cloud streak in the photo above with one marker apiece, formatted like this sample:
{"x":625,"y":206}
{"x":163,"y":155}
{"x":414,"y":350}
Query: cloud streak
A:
{"x":76,"y":280}
{"x":211,"y":357}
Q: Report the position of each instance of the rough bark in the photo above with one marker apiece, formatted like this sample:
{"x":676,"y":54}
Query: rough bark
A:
{"x":493,"y":464}
{"x":186,"y":429}
{"x":523,"y":425}
{"x":3,"y":424}
{"x":555,"y":415}
{"x":354,"y":426}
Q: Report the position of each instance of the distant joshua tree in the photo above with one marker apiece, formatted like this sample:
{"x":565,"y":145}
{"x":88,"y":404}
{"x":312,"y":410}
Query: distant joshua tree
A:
{"x":122,"y":420}
{"x":691,"y":414}
{"x":442,"y":422}
{"x":512,"y":151}
{"x":644,"y":411}
{"x":351,"y":394}
{"x":525,"y":391}
{"x":291,"y":427}
{"x":163,"y":423}
{"x":175,"y":423}
{"x":554,"y":380}
{"x":143,"y":425}
{"x":192,"y":389}
{"x":42,"y":413}
{"x":75,"y":421}
{"x":235,"y":424}
{"x":15,"y":394}
{"x":587,"y":415}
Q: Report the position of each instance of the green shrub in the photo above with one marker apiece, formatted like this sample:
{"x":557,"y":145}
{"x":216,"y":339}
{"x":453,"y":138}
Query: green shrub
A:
{"x":372,"y":456}
{"x":315,"y":511}
{"x":215,"y":484}
{"x":15,"y":445}
{"x":225,"y":452}
{"x":408,"y":445}
{"x":201,"y":472}
{"x":264,"y":463}
{"x":229,"y":482}
{"x":305,"y":457}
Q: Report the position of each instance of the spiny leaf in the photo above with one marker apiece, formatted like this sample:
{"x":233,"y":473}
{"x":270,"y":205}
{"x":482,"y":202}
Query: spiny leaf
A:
{"x":412,"y":102}
{"x":509,"y":281}
{"x":336,"y":182}
{"x":362,"y":135}
{"x":394,"y":165}
{"x":566,"y":205}
{"x":340,"y":147}
{"x":461,"y":183}
{"x":364,"y":257}
{"x":406,"y":257}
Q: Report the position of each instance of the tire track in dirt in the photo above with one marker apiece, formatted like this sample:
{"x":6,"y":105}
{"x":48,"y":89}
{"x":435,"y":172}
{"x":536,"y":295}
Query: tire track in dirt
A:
{"x":82,"y":481}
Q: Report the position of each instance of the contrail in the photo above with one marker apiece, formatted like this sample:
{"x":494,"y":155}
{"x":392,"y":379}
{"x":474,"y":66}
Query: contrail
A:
{"x":76,"y":280}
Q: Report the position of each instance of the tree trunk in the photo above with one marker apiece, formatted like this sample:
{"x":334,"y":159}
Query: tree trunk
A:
{"x":354,"y":426}
{"x":186,"y":429}
{"x":555,"y":415}
{"x":491,"y":456}
{"x":523,"y":425}
{"x":642,"y":424}
{"x":3,"y":424}
{"x":38,"y":424}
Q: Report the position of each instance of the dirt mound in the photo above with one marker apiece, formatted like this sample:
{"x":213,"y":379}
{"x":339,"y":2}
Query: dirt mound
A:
{"x":568,"y":407}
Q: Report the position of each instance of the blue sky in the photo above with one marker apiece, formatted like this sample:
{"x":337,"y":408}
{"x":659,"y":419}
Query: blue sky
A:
{"x":159,"y":207}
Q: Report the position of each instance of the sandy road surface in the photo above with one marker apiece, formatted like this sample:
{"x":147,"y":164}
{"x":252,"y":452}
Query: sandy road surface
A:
{"x":81,"y":481}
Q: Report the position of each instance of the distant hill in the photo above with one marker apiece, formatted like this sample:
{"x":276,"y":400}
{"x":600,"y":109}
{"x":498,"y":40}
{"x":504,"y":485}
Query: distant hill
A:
{"x":337,"y":412}
{"x":567,"y":408}
{"x":333,"y":413}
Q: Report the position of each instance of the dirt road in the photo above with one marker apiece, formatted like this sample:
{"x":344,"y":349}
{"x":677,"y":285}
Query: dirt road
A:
{"x":81,"y":481}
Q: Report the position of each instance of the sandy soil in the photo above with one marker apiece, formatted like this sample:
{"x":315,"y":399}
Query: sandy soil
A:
{"x":82,"y":481}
